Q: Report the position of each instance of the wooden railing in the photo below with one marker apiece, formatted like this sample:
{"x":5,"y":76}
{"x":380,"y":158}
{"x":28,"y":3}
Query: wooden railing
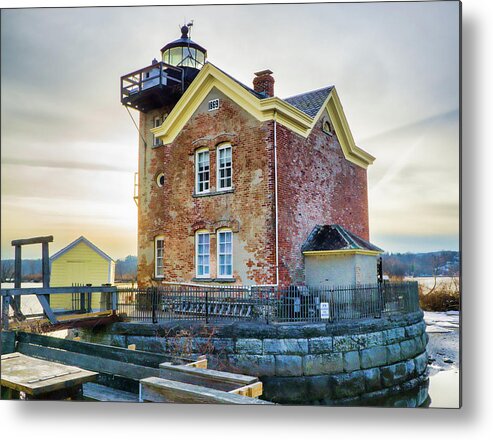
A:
{"x":43,"y":293}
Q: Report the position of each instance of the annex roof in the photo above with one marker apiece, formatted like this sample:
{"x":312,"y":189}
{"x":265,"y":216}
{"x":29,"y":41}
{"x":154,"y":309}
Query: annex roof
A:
{"x":335,"y":238}
{"x":84,"y":240}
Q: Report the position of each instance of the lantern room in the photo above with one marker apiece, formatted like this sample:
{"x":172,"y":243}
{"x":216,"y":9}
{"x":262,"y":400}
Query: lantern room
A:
{"x":184,"y":52}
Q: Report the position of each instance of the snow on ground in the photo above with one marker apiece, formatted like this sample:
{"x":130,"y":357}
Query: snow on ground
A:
{"x":441,"y":322}
{"x":443,"y":345}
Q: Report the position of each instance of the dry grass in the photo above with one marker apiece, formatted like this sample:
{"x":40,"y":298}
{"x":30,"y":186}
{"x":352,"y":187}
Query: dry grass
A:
{"x":441,"y":297}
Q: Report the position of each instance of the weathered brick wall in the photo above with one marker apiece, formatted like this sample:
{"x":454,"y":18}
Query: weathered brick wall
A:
{"x":172,"y":211}
{"x":317,"y":185}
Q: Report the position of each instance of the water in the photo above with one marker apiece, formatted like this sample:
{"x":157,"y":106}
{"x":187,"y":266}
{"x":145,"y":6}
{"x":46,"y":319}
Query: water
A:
{"x":444,"y":389}
{"x":29,"y":303}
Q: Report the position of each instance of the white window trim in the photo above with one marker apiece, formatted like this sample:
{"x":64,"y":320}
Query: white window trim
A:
{"x":201,"y":232}
{"x":197,"y":152}
{"x":156,"y":239}
{"x":219,"y":148}
{"x":218,"y":232}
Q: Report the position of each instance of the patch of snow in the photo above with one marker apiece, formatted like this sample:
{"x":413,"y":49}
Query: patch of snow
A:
{"x":437,"y":329}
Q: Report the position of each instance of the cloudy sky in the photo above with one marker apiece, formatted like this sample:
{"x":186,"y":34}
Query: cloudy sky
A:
{"x":69,"y":149}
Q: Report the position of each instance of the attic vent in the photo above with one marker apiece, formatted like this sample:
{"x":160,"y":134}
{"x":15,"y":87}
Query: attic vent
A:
{"x":327,"y":127}
{"x":213,"y":104}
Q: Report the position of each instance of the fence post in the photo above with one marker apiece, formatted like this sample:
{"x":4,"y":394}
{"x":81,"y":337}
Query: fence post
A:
{"x":267,"y":308}
{"x":154,"y":304}
{"x":206,"y":306}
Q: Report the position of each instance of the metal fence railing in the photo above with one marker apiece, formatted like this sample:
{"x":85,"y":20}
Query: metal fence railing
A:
{"x":268,"y":304}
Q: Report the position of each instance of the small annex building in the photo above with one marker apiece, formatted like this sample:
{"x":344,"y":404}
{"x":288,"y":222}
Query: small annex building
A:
{"x":335,"y":256}
{"x":79,"y":263}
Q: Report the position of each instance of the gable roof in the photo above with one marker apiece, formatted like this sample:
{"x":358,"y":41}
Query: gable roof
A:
{"x":310,"y":102}
{"x":336,"y":239}
{"x":298,"y":113}
{"x":84,"y":240}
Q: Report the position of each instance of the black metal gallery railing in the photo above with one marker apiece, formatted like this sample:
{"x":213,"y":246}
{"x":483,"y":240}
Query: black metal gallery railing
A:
{"x":267,"y":304}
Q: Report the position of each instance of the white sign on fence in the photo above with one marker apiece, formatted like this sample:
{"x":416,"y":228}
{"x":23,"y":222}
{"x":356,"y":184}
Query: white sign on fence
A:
{"x":324,"y":310}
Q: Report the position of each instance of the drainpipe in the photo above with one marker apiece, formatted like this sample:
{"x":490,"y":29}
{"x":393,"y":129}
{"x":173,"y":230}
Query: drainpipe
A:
{"x":276,"y":205}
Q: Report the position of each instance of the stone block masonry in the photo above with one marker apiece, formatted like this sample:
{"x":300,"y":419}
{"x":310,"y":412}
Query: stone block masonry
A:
{"x":300,"y":363}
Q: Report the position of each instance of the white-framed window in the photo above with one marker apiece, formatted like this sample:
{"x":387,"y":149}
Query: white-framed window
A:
{"x":159,"y":257}
{"x":224,"y":253}
{"x":203,"y":254}
{"x":156,"y":142}
{"x":224,"y":167}
{"x":202,"y":171}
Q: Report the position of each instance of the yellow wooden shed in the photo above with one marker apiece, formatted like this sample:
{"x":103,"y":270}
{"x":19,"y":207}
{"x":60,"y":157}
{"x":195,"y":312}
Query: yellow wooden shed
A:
{"x":80,"y":263}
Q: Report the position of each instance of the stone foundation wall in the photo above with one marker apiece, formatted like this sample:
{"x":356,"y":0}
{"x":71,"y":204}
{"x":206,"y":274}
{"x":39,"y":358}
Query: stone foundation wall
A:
{"x":298,"y":363}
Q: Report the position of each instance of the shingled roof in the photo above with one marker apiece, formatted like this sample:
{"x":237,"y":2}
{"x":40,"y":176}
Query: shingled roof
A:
{"x":336,"y":238}
{"x":310,"y":102}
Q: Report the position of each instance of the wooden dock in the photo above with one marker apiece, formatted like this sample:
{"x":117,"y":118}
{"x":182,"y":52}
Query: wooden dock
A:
{"x":129,"y":375}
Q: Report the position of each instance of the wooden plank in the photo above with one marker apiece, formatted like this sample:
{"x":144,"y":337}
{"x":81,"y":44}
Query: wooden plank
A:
{"x":252,"y":390}
{"x":101,"y":393}
{"x":37,"y":377}
{"x":223,"y":376}
{"x":8,"y":342}
{"x":201,"y":363}
{"x":136,"y":357}
{"x":95,"y":363}
{"x":57,"y":290}
{"x":155,"y":389}
{"x":33,"y":240}
{"x":79,"y":316}
{"x":218,"y":380}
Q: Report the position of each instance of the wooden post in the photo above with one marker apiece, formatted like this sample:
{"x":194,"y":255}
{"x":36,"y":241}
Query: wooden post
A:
{"x":17,"y":275}
{"x":114,"y":300}
{"x":45,"y":262}
{"x":5,"y":312}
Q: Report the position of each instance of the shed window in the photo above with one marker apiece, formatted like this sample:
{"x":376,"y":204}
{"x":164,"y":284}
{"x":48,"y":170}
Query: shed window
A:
{"x":202,"y":251}
{"x":224,"y":167}
{"x":202,"y":175}
{"x":159,"y":257}
{"x":225,"y":254}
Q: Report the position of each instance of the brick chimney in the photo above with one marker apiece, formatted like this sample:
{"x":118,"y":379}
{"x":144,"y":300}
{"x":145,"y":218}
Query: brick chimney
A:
{"x":264,"y":82}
